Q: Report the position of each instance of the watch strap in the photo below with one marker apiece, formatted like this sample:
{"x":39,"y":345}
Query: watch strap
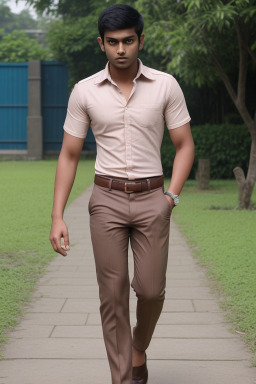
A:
{"x":175,"y":198}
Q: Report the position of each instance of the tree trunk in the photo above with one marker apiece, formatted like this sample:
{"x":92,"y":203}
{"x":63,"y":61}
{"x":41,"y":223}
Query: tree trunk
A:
{"x":203,"y":173}
{"x":246,"y":185}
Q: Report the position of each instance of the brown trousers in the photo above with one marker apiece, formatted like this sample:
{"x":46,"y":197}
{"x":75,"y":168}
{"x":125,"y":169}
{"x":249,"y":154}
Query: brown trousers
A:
{"x":115,"y":218}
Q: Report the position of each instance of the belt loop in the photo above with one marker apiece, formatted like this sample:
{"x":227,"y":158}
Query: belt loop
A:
{"x":110,"y":184}
{"x":149,"y":185}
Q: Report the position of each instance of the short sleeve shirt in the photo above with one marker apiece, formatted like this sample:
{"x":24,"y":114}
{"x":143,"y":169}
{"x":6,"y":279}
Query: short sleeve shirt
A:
{"x":129,"y":133}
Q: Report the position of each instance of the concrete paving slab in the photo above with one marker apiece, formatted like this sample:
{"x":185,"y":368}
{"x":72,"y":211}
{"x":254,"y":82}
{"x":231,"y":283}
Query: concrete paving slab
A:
{"x":188,"y":349}
{"x":81,"y":306}
{"x":192,"y":331}
{"x":66,"y":274}
{"x":187,"y":283}
{"x":45,"y":305}
{"x":197,"y":349}
{"x":184,"y":275}
{"x":92,"y":305}
{"x":32,"y":331}
{"x":60,"y":267}
{"x":61,"y":291}
{"x":55,"y":371}
{"x":214,"y":331}
{"x":88,"y":371}
{"x":54,"y":319}
{"x":61,"y":348}
{"x":78,"y":331}
{"x":67,"y":281}
{"x":206,"y":306}
{"x":172,"y":318}
{"x":188,"y":292}
{"x":199,"y":318}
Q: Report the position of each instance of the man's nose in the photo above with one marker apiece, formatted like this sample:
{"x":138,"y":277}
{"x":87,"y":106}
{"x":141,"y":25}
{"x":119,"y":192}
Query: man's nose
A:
{"x":121,"y":49}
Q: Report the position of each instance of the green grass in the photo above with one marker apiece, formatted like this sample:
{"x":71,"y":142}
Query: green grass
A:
{"x":224,"y":240}
{"x":26,"y":194}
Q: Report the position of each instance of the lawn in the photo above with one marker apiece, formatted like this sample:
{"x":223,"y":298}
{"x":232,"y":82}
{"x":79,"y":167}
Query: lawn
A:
{"x":224,"y":240}
{"x":26,"y":193}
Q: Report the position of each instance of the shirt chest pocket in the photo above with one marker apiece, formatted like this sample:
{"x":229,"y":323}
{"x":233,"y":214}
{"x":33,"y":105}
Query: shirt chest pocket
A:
{"x":148,"y":115}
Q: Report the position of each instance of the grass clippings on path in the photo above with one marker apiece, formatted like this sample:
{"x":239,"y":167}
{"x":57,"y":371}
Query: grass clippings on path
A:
{"x":26,"y":195}
{"x":225,"y":241}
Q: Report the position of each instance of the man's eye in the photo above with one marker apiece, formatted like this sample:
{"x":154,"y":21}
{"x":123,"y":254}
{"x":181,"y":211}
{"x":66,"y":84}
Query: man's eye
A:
{"x":129,"y":41}
{"x":111,"y":42}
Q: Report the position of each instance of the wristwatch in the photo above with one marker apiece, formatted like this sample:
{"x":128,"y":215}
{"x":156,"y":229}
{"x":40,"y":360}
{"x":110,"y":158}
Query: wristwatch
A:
{"x":174,"y":197}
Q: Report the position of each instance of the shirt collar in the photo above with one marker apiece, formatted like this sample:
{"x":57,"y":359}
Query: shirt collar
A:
{"x":143,"y":70}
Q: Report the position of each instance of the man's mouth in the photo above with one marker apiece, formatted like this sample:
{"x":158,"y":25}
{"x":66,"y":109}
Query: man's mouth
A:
{"x":122,"y":59}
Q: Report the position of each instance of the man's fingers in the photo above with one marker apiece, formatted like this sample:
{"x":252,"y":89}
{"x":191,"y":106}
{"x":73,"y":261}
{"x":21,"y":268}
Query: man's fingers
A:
{"x":58,"y":231}
{"x":66,"y":241}
{"x":53,"y":245}
{"x":57,"y":247}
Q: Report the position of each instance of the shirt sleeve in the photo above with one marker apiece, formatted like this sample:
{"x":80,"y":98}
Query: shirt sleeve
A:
{"x":176,"y":112}
{"x":77,"y":120}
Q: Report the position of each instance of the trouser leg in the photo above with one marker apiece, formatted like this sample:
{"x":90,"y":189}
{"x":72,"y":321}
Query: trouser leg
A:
{"x":110,"y":244}
{"x":149,"y":242}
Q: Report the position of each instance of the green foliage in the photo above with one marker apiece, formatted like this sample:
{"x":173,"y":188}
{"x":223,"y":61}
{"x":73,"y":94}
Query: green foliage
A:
{"x":189,"y":35}
{"x":225,"y":242}
{"x":18,"y":47}
{"x":26,"y":194}
{"x":74,"y":42}
{"x":10,"y":21}
{"x":226,"y":146}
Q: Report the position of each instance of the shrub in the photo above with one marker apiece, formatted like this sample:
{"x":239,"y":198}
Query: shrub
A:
{"x":227,"y":146}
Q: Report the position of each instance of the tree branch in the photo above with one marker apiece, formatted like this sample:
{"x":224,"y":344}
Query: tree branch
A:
{"x":225,"y":78}
{"x":242,"y":39}
{"x":251,"y":53}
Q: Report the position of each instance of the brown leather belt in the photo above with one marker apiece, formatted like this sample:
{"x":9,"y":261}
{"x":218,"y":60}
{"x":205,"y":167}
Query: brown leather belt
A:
{"x":129,"y":186}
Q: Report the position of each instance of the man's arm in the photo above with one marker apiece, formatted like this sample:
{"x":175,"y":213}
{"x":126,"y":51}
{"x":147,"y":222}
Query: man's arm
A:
{"x":65,"y":176}
{"x":183,"y":161}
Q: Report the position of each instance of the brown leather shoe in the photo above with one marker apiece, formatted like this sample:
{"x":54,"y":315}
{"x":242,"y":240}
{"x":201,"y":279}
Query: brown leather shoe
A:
{"x":140,"y":374}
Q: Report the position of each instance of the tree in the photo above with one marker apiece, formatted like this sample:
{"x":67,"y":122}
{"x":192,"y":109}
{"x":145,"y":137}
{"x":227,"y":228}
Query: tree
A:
{"x":203,"y":42}
{"x":10,"y":21}
{"x":18,"y":47}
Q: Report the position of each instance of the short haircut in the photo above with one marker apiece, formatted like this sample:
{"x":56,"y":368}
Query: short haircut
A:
{"x":120,"y":16}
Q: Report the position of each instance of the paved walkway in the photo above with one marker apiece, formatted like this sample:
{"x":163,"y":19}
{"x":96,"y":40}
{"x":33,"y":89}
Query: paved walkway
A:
{"x":59,"y":341}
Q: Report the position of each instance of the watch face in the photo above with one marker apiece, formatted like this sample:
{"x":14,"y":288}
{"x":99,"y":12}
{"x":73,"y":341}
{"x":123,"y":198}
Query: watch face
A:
{"x":176,"y":200}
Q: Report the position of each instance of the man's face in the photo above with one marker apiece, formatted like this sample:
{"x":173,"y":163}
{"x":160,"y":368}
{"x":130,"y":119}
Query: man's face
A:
{"x":121,"y":47}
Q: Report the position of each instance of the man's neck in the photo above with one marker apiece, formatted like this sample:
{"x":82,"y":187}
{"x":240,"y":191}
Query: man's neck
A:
{"x":125,"y":75}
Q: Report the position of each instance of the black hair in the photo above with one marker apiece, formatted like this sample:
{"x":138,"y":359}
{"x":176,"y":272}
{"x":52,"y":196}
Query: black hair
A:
{"x":120,"y":16}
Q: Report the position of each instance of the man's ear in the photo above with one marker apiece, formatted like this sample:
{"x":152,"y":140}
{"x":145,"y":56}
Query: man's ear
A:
{"x":101,"y":44}
{"x":142,"y":37}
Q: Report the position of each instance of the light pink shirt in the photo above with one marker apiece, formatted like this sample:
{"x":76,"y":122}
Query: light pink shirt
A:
{"x":128,"y":134}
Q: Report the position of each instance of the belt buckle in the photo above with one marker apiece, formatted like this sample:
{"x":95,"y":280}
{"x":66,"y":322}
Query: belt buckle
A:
{"x":125,"y":188}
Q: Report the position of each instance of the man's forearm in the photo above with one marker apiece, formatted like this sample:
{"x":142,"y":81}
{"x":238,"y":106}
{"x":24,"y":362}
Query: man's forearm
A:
{"x":182,"y":165}
{"x":65,"y":176}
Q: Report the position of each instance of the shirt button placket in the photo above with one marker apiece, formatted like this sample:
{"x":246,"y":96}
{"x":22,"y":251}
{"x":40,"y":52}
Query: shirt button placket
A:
{"x":128,"y":137}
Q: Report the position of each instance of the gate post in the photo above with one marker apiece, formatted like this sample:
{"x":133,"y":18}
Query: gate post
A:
{"x":34,"y":119}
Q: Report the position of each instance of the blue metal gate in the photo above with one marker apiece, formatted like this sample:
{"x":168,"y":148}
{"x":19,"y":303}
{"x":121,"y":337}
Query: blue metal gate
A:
{"x":55,"y":96}
{"x":13,"y":105}
{"x":54,"y":77}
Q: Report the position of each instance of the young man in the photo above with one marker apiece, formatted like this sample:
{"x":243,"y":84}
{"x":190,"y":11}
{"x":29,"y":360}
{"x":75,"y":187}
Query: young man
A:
{"x":127,"y":105}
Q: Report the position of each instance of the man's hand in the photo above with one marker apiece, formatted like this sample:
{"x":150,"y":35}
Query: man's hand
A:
{"x":59,"y":230}
{"x":170,"y":201}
